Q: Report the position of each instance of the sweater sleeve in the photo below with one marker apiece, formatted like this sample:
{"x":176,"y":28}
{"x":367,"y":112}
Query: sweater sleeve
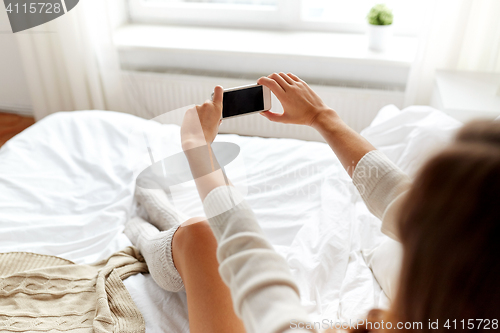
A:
{"x":262,"y":288}
{"x":383,"y":187}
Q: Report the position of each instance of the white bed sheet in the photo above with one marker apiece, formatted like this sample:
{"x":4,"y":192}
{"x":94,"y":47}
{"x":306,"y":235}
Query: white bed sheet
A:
{"x":66,"y":189}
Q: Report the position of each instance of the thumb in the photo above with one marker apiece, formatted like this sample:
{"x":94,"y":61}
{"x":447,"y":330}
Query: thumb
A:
{"x":218,"y":93}
{"x":276,"y":117}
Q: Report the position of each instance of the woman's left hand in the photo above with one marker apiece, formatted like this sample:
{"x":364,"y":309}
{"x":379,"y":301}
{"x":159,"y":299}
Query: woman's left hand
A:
{"x":201,"y":124}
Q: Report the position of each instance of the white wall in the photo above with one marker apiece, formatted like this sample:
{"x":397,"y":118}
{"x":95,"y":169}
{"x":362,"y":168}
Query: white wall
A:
{"x":14,"y":93}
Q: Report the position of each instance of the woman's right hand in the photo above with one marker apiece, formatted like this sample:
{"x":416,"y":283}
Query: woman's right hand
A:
{"x":301,"y":104}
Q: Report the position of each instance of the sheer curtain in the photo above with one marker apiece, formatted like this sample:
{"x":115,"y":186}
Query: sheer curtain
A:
{"x":457,"y":35}
{"x":71,"y":63}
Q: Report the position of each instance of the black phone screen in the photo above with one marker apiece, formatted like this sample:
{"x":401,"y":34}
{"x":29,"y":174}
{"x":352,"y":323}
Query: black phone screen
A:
{"x":242,"y":101}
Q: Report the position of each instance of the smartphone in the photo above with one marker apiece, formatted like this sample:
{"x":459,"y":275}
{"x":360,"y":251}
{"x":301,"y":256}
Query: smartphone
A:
{"x":245,"y":100}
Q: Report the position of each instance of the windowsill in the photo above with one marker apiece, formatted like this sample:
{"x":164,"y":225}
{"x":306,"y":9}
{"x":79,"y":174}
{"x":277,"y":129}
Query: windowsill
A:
{"x":318,"y":56}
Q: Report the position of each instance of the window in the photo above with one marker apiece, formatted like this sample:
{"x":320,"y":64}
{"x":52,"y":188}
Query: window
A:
{"x":318,"y":15}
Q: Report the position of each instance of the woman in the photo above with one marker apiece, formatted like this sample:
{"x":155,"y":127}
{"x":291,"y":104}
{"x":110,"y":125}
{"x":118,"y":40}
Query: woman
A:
{"x":448,"y":222}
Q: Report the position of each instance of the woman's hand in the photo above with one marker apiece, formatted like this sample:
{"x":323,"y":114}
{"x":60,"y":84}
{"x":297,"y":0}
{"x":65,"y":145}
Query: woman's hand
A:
{"x":301,"y":104}
{"x":199,"y":129}
{"x":201,"y":124}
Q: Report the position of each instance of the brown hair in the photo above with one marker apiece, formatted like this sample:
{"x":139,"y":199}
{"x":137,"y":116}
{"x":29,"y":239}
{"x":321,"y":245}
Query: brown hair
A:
{"x":450,"y":231}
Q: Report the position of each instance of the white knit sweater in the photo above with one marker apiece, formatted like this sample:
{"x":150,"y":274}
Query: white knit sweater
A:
{"x":263,"y":291}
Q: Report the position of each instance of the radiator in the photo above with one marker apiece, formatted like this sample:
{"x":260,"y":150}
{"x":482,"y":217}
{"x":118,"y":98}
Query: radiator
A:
{"x":153,"y":94}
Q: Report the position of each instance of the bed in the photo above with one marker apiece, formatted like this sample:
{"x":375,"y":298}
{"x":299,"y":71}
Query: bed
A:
{"x":67,"y":185}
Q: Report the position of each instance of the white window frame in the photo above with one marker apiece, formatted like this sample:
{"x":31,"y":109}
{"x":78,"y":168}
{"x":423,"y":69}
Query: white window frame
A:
{"x":215,"y":15}
{"x":286,"y":16}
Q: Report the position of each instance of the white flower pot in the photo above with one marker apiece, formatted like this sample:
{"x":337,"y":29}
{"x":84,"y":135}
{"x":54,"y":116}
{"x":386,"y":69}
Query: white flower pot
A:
{"x":379,"y":37}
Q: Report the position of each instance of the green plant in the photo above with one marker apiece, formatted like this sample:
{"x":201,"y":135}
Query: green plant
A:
{"x":380,"y":15}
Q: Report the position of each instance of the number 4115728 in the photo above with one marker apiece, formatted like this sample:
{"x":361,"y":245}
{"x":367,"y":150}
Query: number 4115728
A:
{"x":35,"y":8}
{"x":471,"y":324}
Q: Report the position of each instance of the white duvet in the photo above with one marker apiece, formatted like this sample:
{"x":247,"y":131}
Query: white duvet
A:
{"x":67,"y":183}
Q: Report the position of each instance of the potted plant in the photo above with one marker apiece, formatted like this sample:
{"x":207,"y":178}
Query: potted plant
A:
{"x":379,"y":27}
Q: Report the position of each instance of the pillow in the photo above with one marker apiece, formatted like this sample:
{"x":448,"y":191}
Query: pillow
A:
{"x":410,"y":136}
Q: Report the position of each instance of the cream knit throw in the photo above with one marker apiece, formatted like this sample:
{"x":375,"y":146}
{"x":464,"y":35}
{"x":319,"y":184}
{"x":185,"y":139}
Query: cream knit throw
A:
{"x":40,"y":293}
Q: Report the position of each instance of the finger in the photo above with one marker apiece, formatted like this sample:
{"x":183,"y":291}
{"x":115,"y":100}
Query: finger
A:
{"x":218,"y":95}
{"x":288,"y":79}
{"x":294,"y":77}
{"x":276,"y":117}
{"x":272,"y":85}
{"x":281,"y":81}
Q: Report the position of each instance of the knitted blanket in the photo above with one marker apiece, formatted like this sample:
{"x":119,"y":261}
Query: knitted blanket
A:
{"x":41,"y":293}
